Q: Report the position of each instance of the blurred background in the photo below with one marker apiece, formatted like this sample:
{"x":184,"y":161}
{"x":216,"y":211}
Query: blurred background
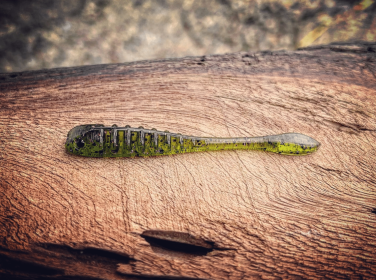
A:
{"x":58,"y":33}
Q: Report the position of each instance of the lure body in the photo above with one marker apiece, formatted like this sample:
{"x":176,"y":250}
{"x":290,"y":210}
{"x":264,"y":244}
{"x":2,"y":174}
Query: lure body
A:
{"x":95,"y":140}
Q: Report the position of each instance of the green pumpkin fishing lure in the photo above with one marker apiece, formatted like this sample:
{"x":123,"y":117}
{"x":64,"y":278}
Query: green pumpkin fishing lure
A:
{"x":96,"y":140}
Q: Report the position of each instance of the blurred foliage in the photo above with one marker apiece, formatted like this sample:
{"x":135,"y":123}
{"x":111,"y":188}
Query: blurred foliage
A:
{"x":57,"y":33}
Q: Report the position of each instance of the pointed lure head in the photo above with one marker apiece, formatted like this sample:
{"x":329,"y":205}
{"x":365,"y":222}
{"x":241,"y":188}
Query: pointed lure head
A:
{"x":81,"y":142}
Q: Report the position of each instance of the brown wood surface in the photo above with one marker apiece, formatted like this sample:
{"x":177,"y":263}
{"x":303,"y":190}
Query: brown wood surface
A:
{"x":214,"y":215}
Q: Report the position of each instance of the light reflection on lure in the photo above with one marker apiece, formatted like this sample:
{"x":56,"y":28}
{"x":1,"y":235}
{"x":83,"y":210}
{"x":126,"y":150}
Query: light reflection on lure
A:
{"x":96,"y":140}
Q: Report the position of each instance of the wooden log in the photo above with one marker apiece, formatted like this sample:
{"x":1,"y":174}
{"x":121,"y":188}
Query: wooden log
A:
{"x":213,"y":215}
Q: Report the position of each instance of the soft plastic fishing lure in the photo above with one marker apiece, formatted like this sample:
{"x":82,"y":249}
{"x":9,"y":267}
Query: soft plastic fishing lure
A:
{"x":97,"y":140}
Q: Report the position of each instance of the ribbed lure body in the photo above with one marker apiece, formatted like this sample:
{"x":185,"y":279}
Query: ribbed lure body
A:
{"x":95,"y":140}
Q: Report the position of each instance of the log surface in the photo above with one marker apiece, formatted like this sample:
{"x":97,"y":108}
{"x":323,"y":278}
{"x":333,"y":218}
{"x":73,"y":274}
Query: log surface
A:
{"x":214,"y":215}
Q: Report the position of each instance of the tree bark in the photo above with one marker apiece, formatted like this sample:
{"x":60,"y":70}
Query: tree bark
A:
{"x":213,"y":215}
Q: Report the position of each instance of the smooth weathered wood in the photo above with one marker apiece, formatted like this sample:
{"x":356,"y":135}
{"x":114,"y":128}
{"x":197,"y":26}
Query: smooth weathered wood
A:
{"x":217,"y":215}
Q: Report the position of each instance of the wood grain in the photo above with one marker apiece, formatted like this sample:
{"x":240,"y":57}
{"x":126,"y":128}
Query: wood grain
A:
{"x":263,"y":215}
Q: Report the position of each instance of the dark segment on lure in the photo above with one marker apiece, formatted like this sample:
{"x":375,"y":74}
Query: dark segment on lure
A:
{"x":97,"y":140}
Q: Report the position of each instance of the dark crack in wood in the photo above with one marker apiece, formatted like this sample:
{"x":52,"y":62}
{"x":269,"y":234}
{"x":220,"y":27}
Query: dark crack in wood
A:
{"x":88,"y":254}
{"x":159,"y":277}
{"x":172,"y":242}
{"x":22,"y":267}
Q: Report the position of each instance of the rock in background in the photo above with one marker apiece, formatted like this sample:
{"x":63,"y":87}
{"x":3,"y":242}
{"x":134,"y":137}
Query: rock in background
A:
{"x":60,"y":33}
